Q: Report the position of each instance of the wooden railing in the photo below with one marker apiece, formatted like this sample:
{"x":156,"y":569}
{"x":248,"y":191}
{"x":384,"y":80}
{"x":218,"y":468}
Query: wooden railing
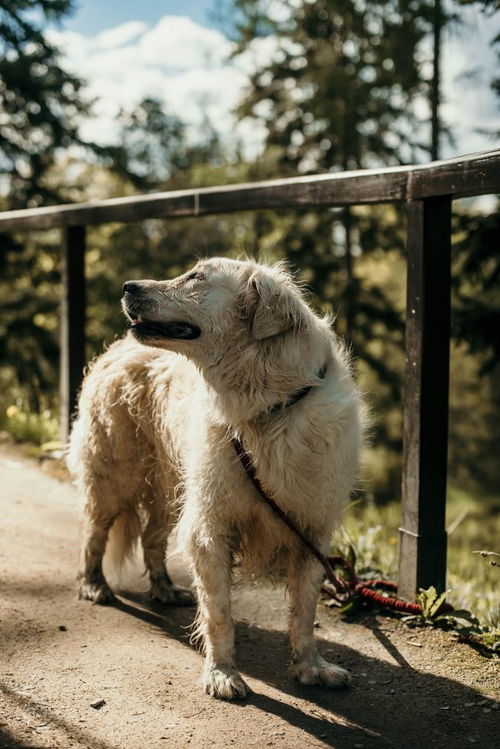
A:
{"x":428,"y":192}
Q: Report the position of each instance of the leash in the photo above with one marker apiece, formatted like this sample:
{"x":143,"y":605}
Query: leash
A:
{"x":339,"y":584}
{"x":340,"y":588}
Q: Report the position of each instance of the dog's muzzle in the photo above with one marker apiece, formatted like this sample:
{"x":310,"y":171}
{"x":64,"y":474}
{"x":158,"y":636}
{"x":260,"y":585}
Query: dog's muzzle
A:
{"x":144,"y":328}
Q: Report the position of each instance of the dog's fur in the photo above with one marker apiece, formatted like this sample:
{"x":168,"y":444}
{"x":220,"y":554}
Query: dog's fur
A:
{"x":153,"y":440}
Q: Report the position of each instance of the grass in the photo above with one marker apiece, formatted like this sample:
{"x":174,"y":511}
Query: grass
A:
{"x":473,"y":523}
{"x":25,"y":426}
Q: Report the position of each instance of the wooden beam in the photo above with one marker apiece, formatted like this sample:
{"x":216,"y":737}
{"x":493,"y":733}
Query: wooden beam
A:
{"x":323,"y":190}
{"x":476,"y":174}
{"x":72,"y":357}
{"x":422,"y":558}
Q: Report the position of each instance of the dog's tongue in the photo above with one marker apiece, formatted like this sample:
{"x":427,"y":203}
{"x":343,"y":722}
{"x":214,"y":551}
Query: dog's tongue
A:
{"x":174,"y":329}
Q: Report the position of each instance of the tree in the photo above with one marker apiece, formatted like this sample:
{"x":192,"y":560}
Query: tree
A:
{"x":39,"y":108}
{"x":40,"y":102}
{"x":340,"y":93}
{"x":154,"y":146}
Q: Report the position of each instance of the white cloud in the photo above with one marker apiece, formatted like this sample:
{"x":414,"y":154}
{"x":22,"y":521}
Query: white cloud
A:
{"x":121,"y":34}
{"x":179,"y":42}
{"x":178,"y":61}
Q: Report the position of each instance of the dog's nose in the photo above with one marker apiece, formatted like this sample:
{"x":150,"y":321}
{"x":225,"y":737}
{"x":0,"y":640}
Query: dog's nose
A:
{"x":131,"y":287}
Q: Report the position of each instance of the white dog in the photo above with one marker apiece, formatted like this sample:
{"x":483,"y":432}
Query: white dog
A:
{"x":230,"y":348}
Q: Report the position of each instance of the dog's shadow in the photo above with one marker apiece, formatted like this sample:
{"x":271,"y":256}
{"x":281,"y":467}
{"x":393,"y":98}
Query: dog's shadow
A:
{"x":389,"y":703}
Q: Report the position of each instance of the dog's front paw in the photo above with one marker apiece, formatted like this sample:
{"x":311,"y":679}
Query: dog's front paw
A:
{"x":319,"y":671}
{"x":173,"y":595}
{"x":99,"y":593}
{"x":225,"y":684}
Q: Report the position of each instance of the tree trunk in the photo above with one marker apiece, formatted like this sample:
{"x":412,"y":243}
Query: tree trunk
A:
{"x":349,"y":268}
{"x":435,"y":86}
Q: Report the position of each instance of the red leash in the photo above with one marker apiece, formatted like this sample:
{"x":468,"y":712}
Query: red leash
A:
{"x":340,"y":588}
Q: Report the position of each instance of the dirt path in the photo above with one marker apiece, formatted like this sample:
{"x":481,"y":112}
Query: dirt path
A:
{"x":58,"y":655}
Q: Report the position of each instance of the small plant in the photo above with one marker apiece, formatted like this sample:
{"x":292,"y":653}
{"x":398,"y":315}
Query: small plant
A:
{"x":430,"y":602}
{"x":461,"y":621}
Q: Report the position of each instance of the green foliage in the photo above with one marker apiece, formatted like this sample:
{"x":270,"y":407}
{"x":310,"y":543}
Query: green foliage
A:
{"x":465,"y":624}
{"x":30,"y":288}
{"x":430,"y":601}
{"x":40,"y":102}
{"x":476,"y":274}
{"x":25,"y":426}
{"x":341,"y":88}
{"x":339,"y":93}
{"x":154,"y":146}
{"x":371,"y":530}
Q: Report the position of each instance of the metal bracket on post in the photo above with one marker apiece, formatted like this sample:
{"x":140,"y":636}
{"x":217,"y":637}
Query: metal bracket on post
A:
{"x":72,"y":356}
{"x":422,"y":552}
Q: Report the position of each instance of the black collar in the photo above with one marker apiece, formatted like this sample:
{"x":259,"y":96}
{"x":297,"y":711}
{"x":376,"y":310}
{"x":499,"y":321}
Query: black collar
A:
{"x":297,"y":396}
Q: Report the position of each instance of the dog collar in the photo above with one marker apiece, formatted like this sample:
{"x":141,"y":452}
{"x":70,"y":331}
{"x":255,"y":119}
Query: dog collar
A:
{"x":297,"y":396}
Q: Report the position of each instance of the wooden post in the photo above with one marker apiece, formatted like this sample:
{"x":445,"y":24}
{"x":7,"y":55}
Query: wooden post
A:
{"x":422,"y":553}
{"x":72,"y":356}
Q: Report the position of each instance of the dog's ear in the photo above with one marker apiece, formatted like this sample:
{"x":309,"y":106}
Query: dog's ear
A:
{"x":271,"y":306}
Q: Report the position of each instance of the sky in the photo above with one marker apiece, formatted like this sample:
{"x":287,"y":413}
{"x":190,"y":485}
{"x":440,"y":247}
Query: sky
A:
{"x":176,"y":52}
{"x":93,"y":16}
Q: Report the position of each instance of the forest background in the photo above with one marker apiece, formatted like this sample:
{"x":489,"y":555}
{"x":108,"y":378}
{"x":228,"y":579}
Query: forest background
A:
{"x":349,"y":84}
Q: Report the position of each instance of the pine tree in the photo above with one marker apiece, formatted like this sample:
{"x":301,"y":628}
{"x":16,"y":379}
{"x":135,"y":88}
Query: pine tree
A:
{"x":40,"y":102}
{"x":341,"y":93}
{"x":154,"y":146}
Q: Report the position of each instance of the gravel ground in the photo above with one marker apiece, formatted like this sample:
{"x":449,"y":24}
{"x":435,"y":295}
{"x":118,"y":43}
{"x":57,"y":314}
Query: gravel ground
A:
{"x":60,"y":656}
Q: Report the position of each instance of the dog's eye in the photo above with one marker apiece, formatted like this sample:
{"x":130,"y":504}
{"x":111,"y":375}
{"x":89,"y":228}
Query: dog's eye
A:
{"x":195,"y":276}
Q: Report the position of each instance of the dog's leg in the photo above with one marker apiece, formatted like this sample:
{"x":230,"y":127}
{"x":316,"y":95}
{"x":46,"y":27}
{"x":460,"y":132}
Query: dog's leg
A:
{"x":212,"y":567}
{"x":154,"y":543}
{"x":304,"y":582}
{"x":93,"y":586}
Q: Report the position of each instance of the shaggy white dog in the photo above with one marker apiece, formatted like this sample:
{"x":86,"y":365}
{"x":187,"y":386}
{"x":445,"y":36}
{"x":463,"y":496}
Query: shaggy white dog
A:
{"x":230,"y":348}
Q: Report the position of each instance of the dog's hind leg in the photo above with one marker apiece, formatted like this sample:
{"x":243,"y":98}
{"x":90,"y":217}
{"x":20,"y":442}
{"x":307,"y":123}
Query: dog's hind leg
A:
{"x":304,"y":582}
{"x":93,"y":586}
{"x":110,"y":514}
{"x":154,"y":543}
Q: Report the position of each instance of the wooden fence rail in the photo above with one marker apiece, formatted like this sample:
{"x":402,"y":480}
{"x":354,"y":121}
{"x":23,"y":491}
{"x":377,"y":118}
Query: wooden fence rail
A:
{"x":428,"y":192}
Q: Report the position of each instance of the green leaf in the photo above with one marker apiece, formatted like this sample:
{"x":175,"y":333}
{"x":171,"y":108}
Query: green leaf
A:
{"x":426,"y":598}
{"x":436,"y":605}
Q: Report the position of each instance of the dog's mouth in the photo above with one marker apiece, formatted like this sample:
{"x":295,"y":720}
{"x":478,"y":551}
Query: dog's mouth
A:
{"x":178,"y":329}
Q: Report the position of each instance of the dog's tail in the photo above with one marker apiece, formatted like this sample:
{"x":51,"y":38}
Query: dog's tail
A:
{"x":123,"y":537}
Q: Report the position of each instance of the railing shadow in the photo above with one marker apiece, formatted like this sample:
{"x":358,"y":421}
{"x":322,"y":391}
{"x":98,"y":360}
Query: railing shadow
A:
{"x":39,"y":711}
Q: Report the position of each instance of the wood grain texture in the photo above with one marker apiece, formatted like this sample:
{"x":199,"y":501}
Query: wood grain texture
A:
{"x":476,"y":174}
{"x":422,"y":534}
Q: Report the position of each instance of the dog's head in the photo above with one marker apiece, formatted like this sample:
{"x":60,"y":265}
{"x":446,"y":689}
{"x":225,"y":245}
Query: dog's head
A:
{"x":217,"y":304}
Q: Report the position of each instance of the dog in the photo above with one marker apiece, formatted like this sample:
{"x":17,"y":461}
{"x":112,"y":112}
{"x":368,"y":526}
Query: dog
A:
{"x":230,"y":348}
